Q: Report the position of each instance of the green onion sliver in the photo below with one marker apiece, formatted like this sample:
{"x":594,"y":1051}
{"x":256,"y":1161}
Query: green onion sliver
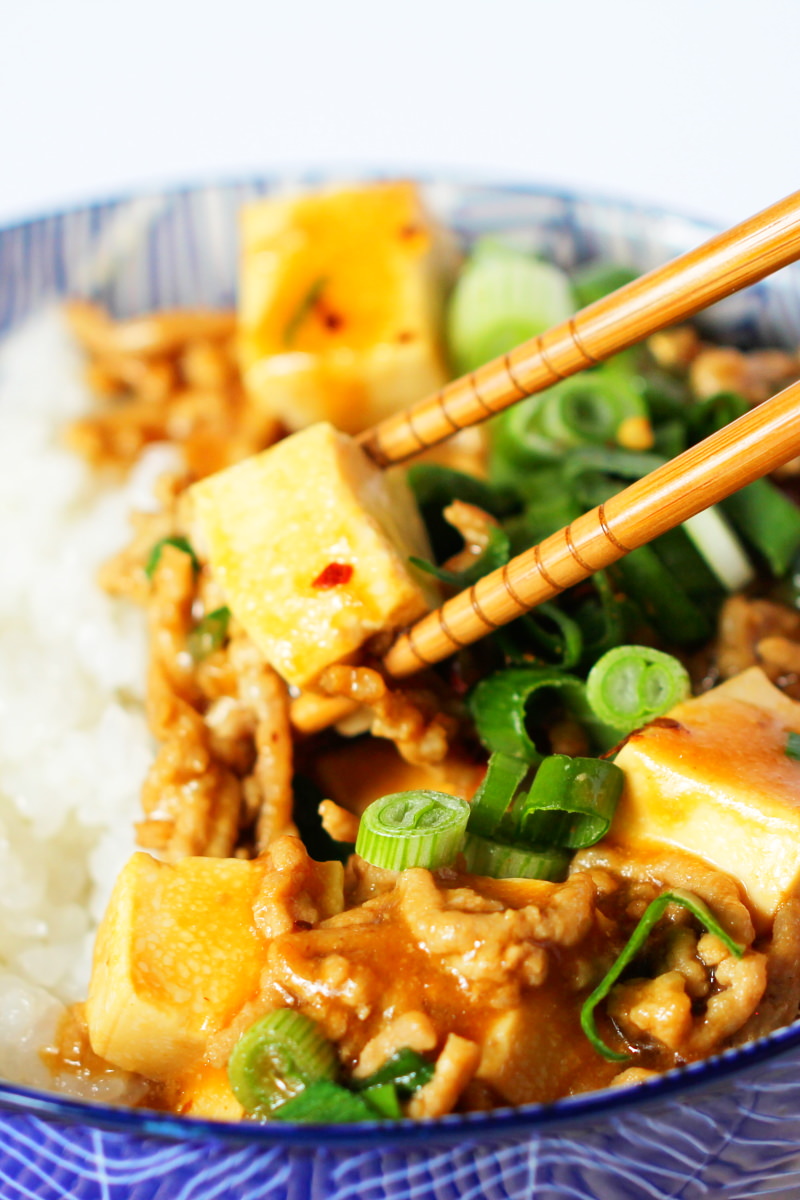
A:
{"x":768,"y":521}
{"x":720,"y":547}
{"x":501,"y":860}
{"x":591,"y":407}
{"x":630,"y":685}
{"x":663,"y":599}
{"x":303,"y":310}
{"x":384,"y":1100}
{"x":596,"y":279}
{"x":180,"y":543}
{"x":496,"y":554}
{"x":650,"y":917}
{"x":498,"y":788}
{"x":209,"y":634}
{"x":326,"y":1103}
{"x":503,"y":297}
{"x":792,"y":747}
{"x":572,"y":801}
{"x":276,"y":1058}
{"x":412,"y":829}
{"x":407,"y":1070}
{"x":498,"y":705}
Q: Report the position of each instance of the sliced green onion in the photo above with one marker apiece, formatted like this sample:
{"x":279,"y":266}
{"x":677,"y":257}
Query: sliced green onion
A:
{"x":502,"y":298}
{"x":499,"y":703}
{"x":180,"y":543}
{"x":503,"y":776}
{"x":630,"y":685}
{"x":651,"y":916}
{"x":705,"y":417}
{"x":626,"y":464}
{"x":541,"y":518}
{"x":680,"y":555}
{"x":412,"y":829}
{"x":768,"y":521}
{"x":326,"y":1103}
{"x":605,"y":621}
{"x":435,"y":486}
{"x":567,"y":647}
{"x":591,"y":407}
{"x":661,"y":597}
{"x":792,"y":748}
{"x":407,"y":1070}
{"x":496,"y":554}
{"x":501,"y":860}
{"x":303,"y":309}
{"x":571,"y":802}
{"x":720,"y":547}
{"x":598,"y":279}
{"x":209,"y":634}
{"x":761,"y":514}
{"x":518,"y":447}
{"x":276,"y":1058}
{"x":384,"y":1100}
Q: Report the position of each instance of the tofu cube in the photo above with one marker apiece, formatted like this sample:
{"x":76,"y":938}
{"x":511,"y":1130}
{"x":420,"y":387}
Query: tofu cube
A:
{"x":719,"y":785}
{"x":340,"y":302}
{"x":176,"y":956}
{"x":309,"y":542}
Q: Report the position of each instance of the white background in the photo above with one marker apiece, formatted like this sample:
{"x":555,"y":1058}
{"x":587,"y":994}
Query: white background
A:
{"x":691,"y":103}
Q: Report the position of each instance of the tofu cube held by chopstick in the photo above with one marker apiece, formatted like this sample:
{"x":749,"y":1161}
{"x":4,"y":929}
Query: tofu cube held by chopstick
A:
{"x":310,"y":544}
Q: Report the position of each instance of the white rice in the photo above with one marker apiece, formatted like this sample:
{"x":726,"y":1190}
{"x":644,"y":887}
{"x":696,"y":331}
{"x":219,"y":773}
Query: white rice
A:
{"x":74,"y":746}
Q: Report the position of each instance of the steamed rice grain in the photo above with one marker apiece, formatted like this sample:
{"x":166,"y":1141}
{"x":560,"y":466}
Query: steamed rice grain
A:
{"x":74,"y":745}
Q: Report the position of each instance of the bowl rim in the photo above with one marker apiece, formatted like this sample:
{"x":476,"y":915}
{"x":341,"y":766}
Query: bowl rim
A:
{"x":495,"y":1125}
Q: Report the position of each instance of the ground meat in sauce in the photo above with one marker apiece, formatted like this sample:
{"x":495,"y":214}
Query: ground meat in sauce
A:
{"x":487,"y":975}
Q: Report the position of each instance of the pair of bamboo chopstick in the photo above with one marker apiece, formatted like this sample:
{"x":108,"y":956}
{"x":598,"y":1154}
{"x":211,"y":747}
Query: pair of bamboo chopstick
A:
{"x":750,"y":447}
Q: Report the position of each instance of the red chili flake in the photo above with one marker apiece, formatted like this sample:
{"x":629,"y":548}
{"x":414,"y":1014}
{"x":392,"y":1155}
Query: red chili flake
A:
{"x":410,"y":231}
{"x":333,"y":575}
{"x":405,"y":336}
{"x":333,"y":321}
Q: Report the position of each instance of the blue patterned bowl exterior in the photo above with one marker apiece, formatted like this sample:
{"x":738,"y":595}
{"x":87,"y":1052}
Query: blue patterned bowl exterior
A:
{"x":727,"y":1128}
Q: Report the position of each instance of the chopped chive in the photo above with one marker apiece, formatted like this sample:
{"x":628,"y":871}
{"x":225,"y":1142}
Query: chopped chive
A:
{"x":792,"y":748}
{"x":303,"y":309}
{"x":180,"y":543}
{"x":412,"y":829}
{"x":652,"y":914}
{"x":277,"y":1058}
{"x":209,"y":634}
{"x":630,"y":685}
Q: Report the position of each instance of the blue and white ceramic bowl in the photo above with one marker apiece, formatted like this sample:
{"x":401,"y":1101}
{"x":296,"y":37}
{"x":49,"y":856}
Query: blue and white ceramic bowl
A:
{"x":729,"y":1127}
